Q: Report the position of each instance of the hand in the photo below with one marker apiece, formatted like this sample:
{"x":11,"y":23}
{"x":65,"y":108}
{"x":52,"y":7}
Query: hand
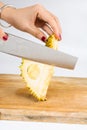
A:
{"x":3,"y":35}
{"x":33,"y":20}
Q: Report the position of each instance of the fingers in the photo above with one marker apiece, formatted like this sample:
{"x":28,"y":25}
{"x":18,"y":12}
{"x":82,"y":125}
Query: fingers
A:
{"x":44,"y":26}
{"x":47,"y":29}
{"x":57,"y":22}
{"x":51,"y":20}
{"x":37,"y":33}
{"x":3,"y":35}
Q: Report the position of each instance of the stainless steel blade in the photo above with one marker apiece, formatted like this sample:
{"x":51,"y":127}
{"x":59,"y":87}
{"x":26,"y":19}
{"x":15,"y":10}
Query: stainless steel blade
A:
{"x":23,"y":48}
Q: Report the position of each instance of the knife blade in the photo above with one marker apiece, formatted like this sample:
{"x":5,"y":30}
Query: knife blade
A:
{"x":23,"y":48}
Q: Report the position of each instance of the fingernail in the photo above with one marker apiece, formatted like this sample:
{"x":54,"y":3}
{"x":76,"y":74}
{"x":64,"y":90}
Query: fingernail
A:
{"x":5,"y":37}
{"x":59,"y":37}
{"x":43,"y":38}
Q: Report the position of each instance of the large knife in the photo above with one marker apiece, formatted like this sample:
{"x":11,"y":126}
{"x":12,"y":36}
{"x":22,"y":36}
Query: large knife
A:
{"x":27,"y":49}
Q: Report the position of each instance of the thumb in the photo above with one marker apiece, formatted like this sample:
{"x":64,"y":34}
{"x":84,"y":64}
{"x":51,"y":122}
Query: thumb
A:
{"x":36,"y":32}
{"x":3,"y":35}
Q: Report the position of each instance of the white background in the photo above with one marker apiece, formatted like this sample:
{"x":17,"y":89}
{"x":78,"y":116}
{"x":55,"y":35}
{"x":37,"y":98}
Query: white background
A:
{"x":73,"y":19}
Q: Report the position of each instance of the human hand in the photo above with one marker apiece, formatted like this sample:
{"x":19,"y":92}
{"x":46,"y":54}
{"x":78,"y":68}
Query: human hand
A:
{"x":3,"y":35}
{"x":33,"y":20}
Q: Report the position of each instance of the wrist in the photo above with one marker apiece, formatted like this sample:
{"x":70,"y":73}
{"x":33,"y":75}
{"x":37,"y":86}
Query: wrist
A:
{"x":1,"y":4}
{"x":7,"y":12}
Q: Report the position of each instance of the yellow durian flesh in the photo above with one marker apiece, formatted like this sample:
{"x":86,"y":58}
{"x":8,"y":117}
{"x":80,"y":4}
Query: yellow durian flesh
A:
{"x":37,"y":75}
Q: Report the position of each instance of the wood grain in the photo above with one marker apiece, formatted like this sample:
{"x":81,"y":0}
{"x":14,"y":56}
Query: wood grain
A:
{"x":66,"y":101}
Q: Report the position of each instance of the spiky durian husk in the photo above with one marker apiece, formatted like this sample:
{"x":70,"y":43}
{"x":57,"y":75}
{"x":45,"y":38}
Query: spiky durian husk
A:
{"x":37,"y":75}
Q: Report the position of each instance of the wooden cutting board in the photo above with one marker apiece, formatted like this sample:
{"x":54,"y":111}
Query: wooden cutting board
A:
{"x":66,"y":101}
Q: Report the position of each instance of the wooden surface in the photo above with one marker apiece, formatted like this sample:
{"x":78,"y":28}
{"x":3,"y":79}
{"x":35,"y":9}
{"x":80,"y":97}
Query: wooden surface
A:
{"x":66,"y":101}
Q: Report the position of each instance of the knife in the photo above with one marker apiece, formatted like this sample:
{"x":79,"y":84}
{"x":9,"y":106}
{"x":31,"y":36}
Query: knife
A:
{"x":27,"y":49}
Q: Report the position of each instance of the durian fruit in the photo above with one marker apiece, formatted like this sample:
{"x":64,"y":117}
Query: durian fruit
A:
{"x":37,"y":75}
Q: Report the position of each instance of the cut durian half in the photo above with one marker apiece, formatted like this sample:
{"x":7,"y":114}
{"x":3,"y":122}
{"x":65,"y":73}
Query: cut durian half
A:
{"x":37,"y":75}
